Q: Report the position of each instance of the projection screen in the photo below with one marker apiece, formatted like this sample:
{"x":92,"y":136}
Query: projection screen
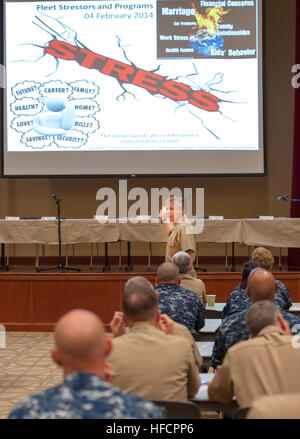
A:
{"x":130,"y":87}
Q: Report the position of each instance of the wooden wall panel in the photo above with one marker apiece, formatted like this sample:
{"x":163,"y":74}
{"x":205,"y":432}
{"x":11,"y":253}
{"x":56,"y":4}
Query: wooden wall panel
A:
{"x":34,"y":302}
{"x":53,"y":298}
{"x":15,"y":301}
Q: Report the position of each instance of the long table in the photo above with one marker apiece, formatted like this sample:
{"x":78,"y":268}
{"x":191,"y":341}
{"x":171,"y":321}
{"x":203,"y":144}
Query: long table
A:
{"x":205,"y":349}
{"x":279,"y":232}
{"x":215,"y":312}
{"x":207,"y":333}
{"x":201,"y":398}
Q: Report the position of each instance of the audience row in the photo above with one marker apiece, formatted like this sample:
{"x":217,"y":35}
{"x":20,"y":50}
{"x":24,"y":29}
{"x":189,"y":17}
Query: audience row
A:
{"x":153,"y":355}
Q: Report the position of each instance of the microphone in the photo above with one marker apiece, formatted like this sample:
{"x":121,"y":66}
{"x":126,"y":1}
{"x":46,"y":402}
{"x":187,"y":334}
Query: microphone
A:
{"x":286,"y":198}
{"x":55,"y":197}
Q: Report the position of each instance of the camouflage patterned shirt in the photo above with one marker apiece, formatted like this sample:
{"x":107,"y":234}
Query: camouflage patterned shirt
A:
{"x":85,"y":396}
{"x":238,"y":300}
{"x":233,"y":330}
{"x":181,"y":305}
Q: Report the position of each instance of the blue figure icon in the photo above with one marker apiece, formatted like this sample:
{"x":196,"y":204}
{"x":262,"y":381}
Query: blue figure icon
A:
{"x":58,"y":120}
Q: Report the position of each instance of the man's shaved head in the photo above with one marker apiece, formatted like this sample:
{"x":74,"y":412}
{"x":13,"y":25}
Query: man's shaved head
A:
{"x":79,"y":337}
{"x":261,"y":285}
{"x":167,"y":273}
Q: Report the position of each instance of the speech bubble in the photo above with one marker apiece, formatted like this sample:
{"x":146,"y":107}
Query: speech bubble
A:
{"x":56,"y":88}
{"x":26,"y":89}
{"x":74,"y":139}
{"x":84,"y":89}
{"x":22,"y":124}
{"x":85,"y":107}
{"x":26,"y":107}
{"x":36,"y":141}
{"x":87,"y":125}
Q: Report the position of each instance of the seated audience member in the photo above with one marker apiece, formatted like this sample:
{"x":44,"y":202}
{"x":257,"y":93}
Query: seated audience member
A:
{"x":266,"y":364}
{"x":188,"y":281}
{"x":264,"y":258}
{"x":145,"y":360}
{"x":286,"y":406}
{"x":181,"y":305}
{"x":85,"y":393}
{"x":165,"y":324}
{"x":238,"y":299}
{"x":260,"y":286}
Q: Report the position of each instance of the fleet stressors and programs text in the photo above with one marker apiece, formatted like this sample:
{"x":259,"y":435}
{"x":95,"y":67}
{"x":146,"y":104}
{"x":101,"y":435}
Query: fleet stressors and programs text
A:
{"x":89,"y":7}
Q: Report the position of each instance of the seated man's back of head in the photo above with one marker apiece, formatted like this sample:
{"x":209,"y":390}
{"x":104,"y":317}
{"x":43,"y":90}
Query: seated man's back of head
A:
{"x":260,"y":286}
{"x":180,"y":304}
{"x":183,"y":261}
{"x":267,"y":364}
{"x":85,"y":393}
{"x":147,"y":361}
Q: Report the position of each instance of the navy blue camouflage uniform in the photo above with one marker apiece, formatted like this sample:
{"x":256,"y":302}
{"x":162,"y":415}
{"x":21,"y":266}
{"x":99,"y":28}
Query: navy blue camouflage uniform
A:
{"x":181,"y":305}
{"x":85,"y":396}
{"x":233,"y":330}
{"x":239,"y":300}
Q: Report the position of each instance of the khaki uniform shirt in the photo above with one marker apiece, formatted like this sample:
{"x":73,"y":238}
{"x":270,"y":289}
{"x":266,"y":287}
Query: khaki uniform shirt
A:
{"x":189,"y":282}
{"x":183,"y":331}
{"x":180,"y":240}
{"x":154,"y":365}
{"x":285,"y":406}
{"x":265,"y":365}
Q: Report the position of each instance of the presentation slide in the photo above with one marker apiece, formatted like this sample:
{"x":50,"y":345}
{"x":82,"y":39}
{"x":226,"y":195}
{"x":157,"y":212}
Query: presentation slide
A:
{"x":131,"y":81}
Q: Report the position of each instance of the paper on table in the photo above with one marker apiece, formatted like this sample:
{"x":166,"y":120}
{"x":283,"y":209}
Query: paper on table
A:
{"x":202,"y":391}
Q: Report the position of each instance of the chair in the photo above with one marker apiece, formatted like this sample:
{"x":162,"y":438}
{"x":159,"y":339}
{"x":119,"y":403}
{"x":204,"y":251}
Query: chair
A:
{"x":241,"y":413}
{"x":179,"y":409}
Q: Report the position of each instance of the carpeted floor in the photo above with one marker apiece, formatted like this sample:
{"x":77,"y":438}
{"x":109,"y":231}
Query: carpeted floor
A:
{"x":26,"y":368}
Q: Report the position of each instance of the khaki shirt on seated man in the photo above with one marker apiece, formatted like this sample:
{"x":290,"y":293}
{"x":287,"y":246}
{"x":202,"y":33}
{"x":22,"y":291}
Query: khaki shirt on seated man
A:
{"x":187,"y":279}
{"x":146,"y":360}
{"x":285,"y":406}
{"x":267,"y":364}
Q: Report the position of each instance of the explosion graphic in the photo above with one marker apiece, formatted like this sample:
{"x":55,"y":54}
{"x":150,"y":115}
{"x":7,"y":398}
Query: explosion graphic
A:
{"x":205,"y":39}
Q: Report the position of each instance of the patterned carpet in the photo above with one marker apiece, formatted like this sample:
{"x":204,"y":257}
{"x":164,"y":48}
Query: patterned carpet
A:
{"x":26,"y":367}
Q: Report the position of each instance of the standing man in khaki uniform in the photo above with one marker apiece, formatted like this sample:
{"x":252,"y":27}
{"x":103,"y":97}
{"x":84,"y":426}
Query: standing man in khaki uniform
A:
{"x":266,"y":364}
{"x":145,"y":360}
{"x":179,"y":231}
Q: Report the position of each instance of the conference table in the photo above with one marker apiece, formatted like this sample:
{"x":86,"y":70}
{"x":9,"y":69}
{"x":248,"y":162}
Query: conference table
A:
{"x":214,"y":312}
{"x":295,"y":309}
{"x":277,"y":232}
{"x":207,"y":333}
{"x":205,"y":349}
{"x":201,"y":398}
